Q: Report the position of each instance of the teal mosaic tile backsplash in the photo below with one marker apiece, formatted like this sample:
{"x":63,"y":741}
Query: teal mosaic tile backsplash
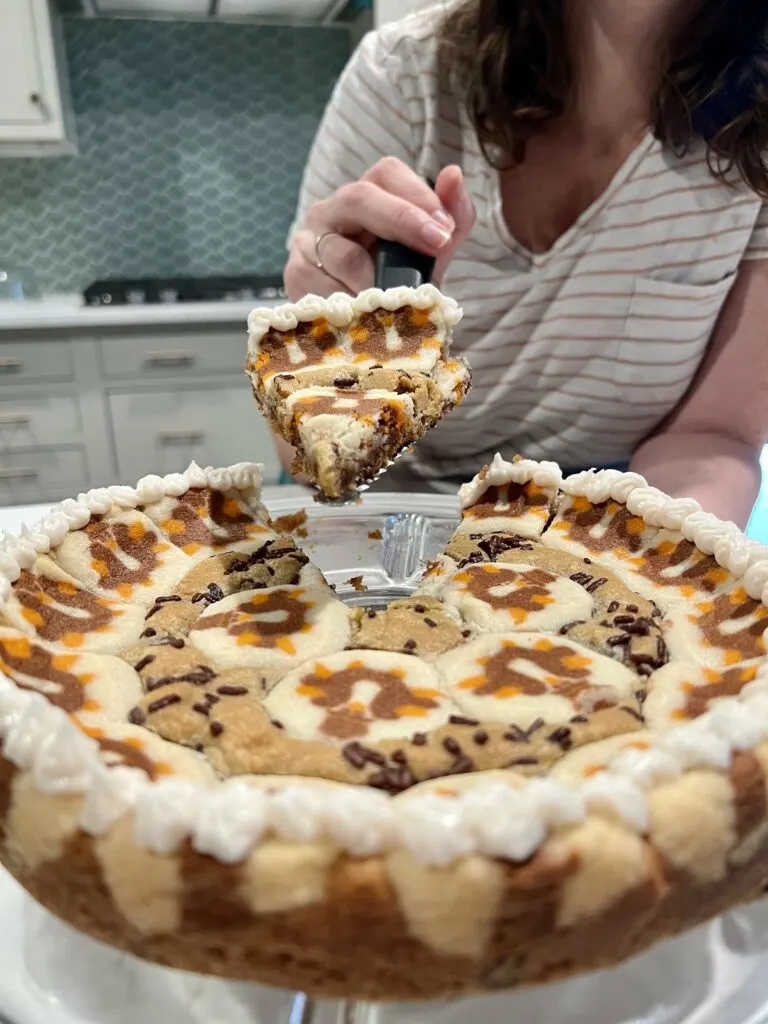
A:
{"x":192,"y":139}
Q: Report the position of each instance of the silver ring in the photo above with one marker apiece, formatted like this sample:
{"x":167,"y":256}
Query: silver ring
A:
{"x":319,"y":239}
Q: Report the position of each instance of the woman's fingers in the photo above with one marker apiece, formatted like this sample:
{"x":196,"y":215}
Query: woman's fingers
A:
{"x":451,"y":190}
{"x":398,"y":179}
{"x":345,"y":260}
{"x":391,"y":202}
{"x":302,"y":276}
{"x":364,"y":207}
{"x":346,"y":266}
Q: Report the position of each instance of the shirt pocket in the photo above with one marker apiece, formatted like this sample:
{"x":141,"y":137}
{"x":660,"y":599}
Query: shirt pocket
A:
{"x":666,"y":334}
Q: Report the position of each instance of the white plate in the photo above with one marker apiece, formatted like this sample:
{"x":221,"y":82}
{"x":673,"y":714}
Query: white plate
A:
{"x":50,"y":974}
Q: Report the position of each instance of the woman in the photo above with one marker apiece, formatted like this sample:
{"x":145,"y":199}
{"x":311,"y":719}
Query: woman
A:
{"x":599,"y":213}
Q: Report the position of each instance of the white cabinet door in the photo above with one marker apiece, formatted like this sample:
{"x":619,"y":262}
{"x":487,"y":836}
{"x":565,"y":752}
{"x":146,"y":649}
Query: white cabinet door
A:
{"x":162,"y":431}
{"x":391,"y":10}
{"x":30,"y":99}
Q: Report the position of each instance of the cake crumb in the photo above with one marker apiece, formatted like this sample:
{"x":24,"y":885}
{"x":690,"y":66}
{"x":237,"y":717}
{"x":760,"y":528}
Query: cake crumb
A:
{"x":356,"y":582}
{"x":291,"y":523}
{"x":374,"y":535}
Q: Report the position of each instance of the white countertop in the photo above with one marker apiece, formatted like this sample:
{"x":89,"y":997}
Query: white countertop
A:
{"x":67,"y":311}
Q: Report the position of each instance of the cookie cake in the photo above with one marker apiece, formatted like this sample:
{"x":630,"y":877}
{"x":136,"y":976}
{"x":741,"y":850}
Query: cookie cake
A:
{"x":548,"y":756}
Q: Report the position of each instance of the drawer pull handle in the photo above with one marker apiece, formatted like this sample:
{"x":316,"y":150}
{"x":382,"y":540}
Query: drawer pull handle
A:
{"x":23,"y":473}
{"x":181,"y":437}
{"x":168,"y":359}
{"x":9,"y":363}
{"x":14,"y":420}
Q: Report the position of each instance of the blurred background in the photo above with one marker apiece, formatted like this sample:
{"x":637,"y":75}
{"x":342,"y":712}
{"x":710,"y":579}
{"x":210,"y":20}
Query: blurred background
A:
{"x":150,"y":158}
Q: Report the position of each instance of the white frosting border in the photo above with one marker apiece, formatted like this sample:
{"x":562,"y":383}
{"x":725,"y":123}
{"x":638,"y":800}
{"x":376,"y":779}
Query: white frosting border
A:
{"x":491,"y":818}
{"x":341,"y":309}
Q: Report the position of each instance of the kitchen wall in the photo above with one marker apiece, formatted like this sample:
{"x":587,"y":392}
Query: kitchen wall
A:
{"x":192,"y":138}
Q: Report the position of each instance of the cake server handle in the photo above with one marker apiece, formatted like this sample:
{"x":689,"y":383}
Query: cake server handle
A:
{"x":398,"y":266}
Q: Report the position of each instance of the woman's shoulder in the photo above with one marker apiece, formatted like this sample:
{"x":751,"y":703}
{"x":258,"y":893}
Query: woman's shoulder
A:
{"x":408,"y":48}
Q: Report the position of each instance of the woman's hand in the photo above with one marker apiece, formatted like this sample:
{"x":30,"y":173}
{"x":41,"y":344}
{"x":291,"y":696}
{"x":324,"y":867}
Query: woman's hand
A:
{"x":392,"y":202}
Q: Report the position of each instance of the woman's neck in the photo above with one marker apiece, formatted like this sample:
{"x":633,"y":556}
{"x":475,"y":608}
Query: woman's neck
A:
{"x":618,"y":48}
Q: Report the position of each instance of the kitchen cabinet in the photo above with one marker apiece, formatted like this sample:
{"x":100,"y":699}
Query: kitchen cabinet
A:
{"x":391,"y":10}
{"x":33,"y":112}
{"x":88,"y":408}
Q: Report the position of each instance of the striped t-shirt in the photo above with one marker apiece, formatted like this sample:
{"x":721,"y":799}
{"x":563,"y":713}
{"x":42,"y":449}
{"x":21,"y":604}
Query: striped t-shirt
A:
{"x":579,"y":352}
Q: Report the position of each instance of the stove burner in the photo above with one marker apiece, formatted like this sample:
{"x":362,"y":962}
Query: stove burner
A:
{"x":169,"y":290}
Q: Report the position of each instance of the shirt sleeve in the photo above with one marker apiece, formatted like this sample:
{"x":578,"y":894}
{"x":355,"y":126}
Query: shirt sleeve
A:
{"x":369,"y":116}
{"x":757,"y":249}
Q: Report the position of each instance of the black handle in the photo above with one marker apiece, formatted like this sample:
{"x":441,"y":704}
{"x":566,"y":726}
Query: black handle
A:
{"x":398,"y":266}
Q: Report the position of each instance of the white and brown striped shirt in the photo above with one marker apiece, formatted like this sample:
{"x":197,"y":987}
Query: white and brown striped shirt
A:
{"x":577,"y":353}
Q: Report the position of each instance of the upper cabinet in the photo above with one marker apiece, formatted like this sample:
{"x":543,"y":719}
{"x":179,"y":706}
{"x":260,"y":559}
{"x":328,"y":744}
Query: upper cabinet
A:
{"x":32,"y":110}
{"x":391,"y":10}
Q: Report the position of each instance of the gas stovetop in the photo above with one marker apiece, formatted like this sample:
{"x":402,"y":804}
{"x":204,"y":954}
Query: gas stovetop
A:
{"x":143,"y":291}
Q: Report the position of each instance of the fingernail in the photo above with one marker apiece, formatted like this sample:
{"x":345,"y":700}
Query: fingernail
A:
{"x":435,"y":236}
{"x":444,"y":220}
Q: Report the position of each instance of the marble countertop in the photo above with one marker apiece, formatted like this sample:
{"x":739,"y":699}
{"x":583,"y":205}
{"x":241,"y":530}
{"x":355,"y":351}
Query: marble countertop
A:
{"x":56,"y":312}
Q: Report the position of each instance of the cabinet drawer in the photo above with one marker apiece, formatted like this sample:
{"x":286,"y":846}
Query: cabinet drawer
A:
{"x":47,"y":474}
{"x":165,"y":354}
{"x":162,"y":432}
{"x":35,"y":360}
{"x":37,"y":420}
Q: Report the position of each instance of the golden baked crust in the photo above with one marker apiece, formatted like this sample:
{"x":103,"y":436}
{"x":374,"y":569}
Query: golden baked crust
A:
{"x":542,"y":658}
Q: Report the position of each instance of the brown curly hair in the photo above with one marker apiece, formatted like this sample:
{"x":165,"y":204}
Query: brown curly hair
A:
{"x":512,"y":63}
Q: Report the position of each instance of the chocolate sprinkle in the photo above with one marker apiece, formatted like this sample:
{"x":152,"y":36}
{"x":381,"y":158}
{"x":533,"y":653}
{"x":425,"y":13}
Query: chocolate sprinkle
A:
{"x":641,"y":627}
{"x":149,"y":632}
{"x":614,"y":607}
{"x":359,"y":755}
{"x":371,"y":613}
{"x":562,"y":737}
{"x":631,"y":711}
{"x":232,"y":691}
{"x":466,"y":632}
{"x":620,"y":640}
{"x":393,"y":779}
{"x":159,"y":602}
{"x":481,"y":737}
{"x":146,"y":660}
{"x":201,"y":709}
{"x":136,"y":716}
{"x":277,"y":724}
{"x":217,"y":728}
{"x":398,"y":756}
{"x":409,"y":645}
{"x":431,"y":623}
{"x":632,"y":608}
{"x":213,"y":594}
{"x":461,"y":720}
{"x":419,"y":739}
{"x":520,"y":761}
{"x":579,"y":719}
{"x":419,"y":609}
{"x":164,"y":702}
{"x":517,"y":735}
{"x":452,"y":746}
{"x":589,"y":583}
